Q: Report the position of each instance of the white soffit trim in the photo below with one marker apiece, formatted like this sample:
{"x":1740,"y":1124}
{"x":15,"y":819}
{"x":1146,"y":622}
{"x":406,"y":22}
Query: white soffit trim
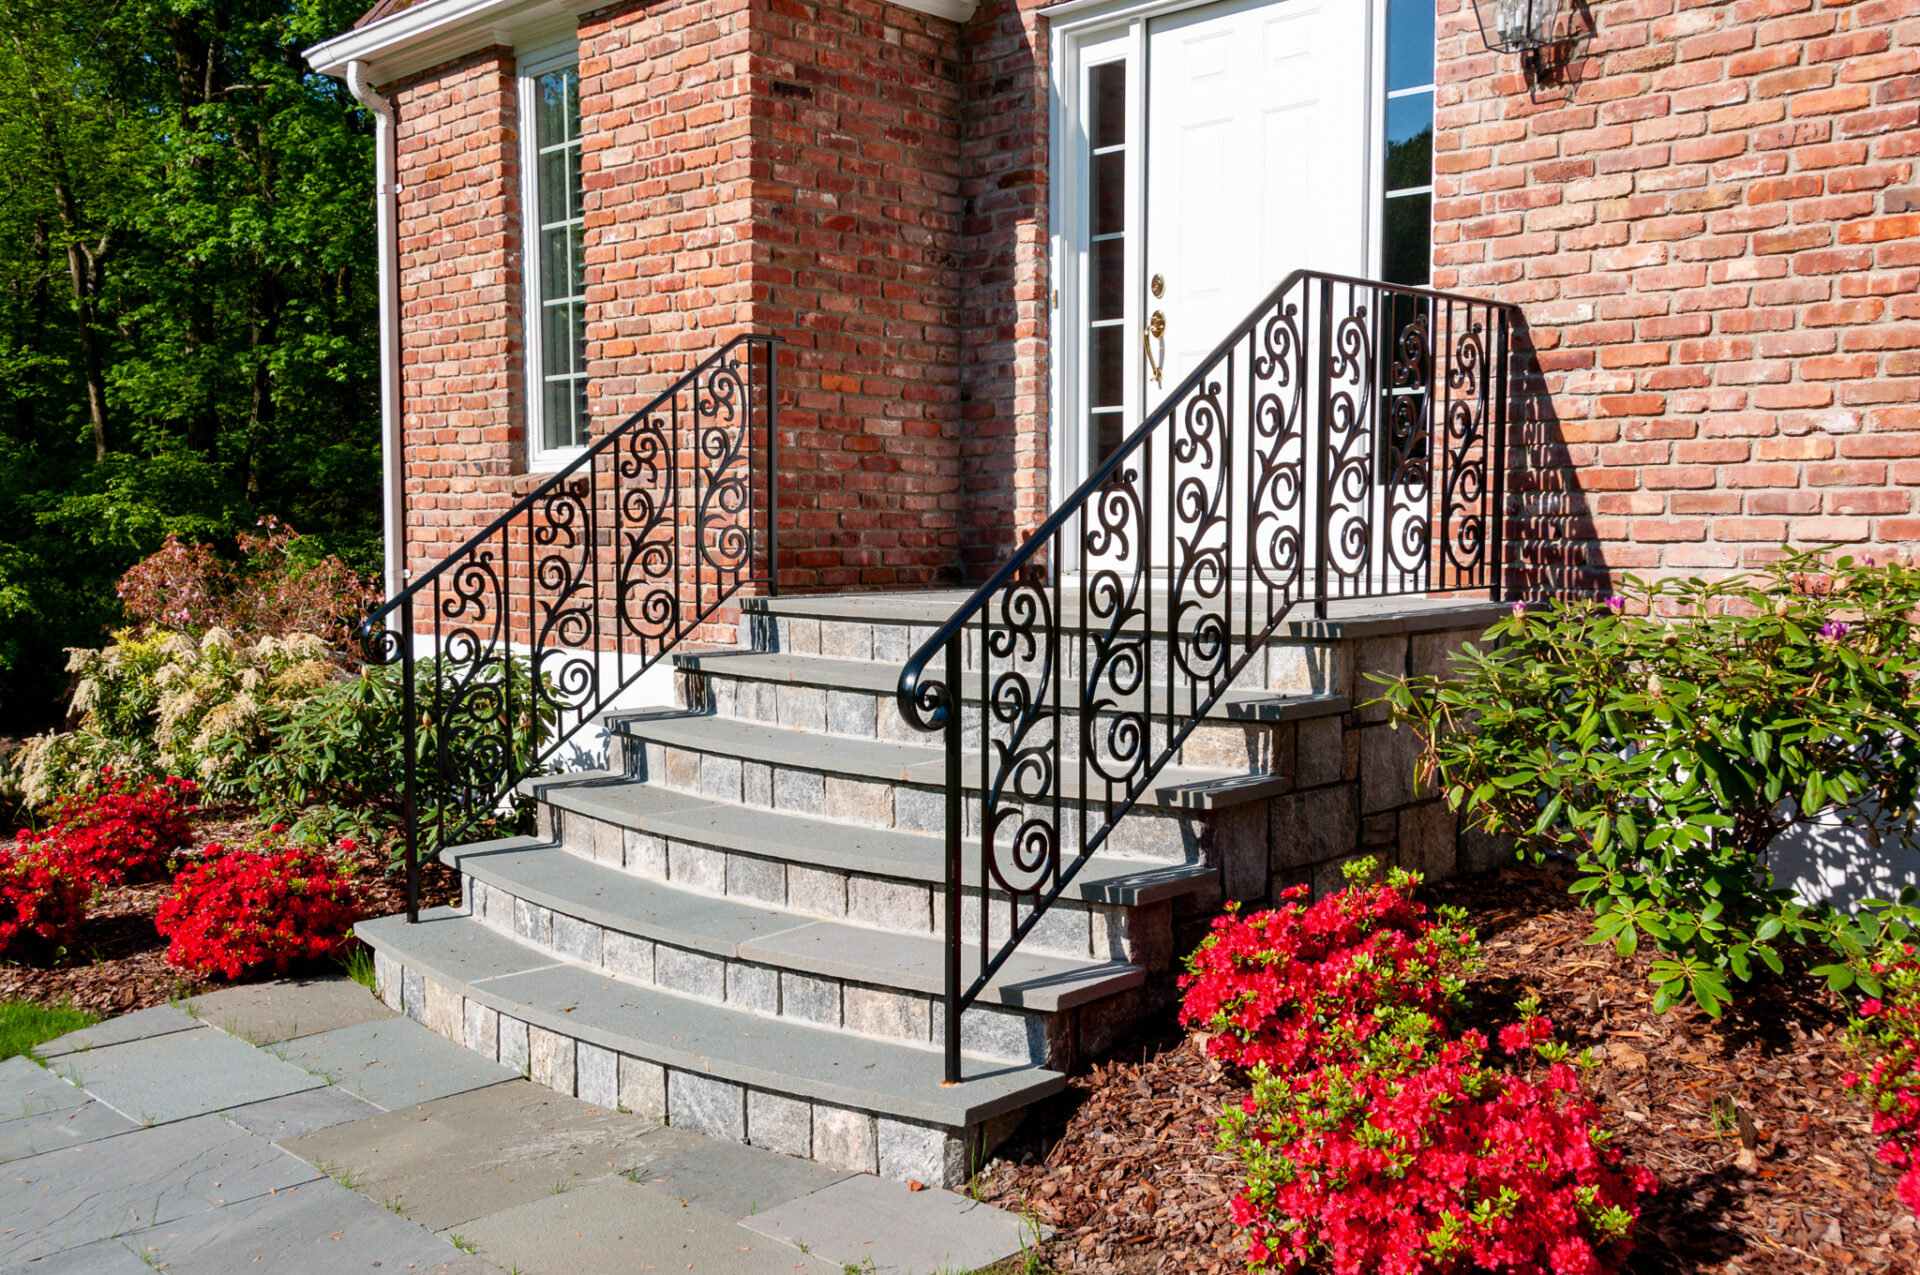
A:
{"x":440,"y":30}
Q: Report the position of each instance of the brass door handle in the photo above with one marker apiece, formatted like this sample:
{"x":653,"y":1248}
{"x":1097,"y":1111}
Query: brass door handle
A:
{"x":1156,"y":331}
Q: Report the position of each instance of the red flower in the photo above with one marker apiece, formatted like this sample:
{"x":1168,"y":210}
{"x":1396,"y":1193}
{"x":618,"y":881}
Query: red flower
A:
{"x":251,"y":908}
{"x":1376,"y":1142}
{"x":39,"y":898}
{"x":1886,"y":1029}
{"x":125,"y":833}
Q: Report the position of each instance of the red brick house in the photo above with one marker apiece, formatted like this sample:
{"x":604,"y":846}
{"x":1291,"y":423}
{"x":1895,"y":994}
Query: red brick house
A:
{"x":1024,"y":285}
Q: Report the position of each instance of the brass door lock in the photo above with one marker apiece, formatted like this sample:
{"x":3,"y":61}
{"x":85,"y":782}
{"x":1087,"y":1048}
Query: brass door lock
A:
{"x":1156,"y":331}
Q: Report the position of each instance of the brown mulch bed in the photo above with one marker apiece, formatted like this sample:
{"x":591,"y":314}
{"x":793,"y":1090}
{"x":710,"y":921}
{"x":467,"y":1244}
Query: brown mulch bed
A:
{"x":1124,"y":1167}
{"x":118,"y":961}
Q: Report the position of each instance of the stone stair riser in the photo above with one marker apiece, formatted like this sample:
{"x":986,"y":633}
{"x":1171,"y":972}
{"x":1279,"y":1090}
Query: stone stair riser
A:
{"x":1295,"y":666}
{"x":839,"y":1137}
{"x":1140,"y":935}
{"x":989,"y":1031}
{"x":1249,"y":747}
{"x":1165,"y":835}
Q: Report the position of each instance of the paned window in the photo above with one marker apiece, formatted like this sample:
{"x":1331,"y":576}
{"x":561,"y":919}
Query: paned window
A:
{"x":1106,"y":303}
{"x":556,"y":267}
{"x":1406,"y":237}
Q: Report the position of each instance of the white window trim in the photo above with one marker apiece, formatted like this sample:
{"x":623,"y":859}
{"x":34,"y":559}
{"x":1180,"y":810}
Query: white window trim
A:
{"x":530,"y":65}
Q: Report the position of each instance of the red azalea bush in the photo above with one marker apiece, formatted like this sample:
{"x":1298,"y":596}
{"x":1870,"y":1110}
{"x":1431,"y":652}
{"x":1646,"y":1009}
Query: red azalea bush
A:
{"x":1375,"y":1142}
{"x":1442,"y":1164}
{"x":1887,"y":1030}
{"x":124,"y":831}
{"x":38,"y":898}
{"x":1306,"y":985}
{"x":267,"y":904}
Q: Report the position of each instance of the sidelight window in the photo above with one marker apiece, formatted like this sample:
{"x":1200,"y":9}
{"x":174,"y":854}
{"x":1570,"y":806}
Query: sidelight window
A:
{"x":554,"y":216}
{"x":1106,"y":285}
{"x":1406,"y":237}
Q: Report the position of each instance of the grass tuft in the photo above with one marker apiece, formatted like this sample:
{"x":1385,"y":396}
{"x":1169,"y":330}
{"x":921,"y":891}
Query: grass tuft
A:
{"x":24,"y":1024}
{"x":359,"y":966}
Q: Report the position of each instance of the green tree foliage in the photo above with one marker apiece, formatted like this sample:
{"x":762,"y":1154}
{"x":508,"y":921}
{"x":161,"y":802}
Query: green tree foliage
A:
{"x":187,"y":301}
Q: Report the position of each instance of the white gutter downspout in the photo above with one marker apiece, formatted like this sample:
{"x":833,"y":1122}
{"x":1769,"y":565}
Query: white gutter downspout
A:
{"x":392,"y":439}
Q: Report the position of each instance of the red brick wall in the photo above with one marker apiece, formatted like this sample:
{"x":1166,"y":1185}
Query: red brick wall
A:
{"x":1709,"y":215}
{"x":665,"y":120}
{"x":855,"y":243}
{"x":1004,"y":364}
{"x":749,"y":165}
{"x":459,"y":238}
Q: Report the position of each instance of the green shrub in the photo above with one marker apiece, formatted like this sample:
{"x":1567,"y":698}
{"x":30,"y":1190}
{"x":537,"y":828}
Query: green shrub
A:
{"x":332,"y":764}
{"x":1665,"y":737}
{"x":164,"y":703}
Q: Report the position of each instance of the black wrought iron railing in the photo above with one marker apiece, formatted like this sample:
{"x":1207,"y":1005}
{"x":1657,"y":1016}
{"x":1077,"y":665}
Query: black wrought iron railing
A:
{"x":1345,"y":441}
{"x":535,"y":625}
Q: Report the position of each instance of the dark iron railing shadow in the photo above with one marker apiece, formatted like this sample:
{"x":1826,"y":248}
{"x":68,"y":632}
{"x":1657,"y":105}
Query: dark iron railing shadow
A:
{"x":537,"y":623}
{"x":1347,"y":440}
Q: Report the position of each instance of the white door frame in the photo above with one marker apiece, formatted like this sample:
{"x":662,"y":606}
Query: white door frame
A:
{"x":1075,"y":27}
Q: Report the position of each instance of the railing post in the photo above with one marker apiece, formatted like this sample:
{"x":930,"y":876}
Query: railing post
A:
{"x":1322,"y":453}
{"x":955,"y":805}
{"x":409,"y":726}
{"x":773,"y":468}
{"x":1503,"y":388}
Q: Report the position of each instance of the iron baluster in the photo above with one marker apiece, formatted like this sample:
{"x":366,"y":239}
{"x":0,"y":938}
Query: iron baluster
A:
{"x":488,"y":727}
{"x":1251,"y":475}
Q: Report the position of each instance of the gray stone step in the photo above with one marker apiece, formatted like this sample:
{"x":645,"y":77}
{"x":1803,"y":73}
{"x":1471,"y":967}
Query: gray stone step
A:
{"x":893,"y":853}
{"x":715,"y":1067}
{"x":1304,"y":656}
{"x":579,"y":890}
{"x":1346,"y":617}
{"x":695,"y":736}
{"x":1245,"y":729}
{"x":873,"y":678}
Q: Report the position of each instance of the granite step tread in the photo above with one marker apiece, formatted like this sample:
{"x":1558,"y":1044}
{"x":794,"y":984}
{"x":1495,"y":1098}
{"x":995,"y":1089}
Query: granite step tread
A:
{"x":876,"y":678}
{"x":543,"y":873}
{"x":781,"y":1055}
{"x":1176,"y":787}
{"x":1346,"y":617}
{"x":825,"y":843}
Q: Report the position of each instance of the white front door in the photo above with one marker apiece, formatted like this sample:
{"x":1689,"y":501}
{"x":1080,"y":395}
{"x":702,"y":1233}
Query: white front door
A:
{"x":1204,"y":155}
{"x":1256,"y":162}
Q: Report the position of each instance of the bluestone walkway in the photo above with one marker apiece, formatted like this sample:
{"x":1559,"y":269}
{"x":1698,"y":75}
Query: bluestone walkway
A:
{"x":299,"y":1127}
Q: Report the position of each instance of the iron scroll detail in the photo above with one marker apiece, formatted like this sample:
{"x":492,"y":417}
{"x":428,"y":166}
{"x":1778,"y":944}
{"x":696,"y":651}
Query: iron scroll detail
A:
{"x":1346,"y":440}
{"x":526,"y":633}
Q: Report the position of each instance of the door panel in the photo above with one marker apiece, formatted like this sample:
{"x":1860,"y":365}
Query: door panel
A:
{"x":1256,"y":154}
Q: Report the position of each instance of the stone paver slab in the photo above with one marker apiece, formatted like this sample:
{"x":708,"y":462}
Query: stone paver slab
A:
{"x":28,"y":1090}
{"x":303,"y":1112}
{"x":72,"y":1127}
{"x":735,"y":1180}
{"x":456,"y":1158}
{"x":266,"y":1013}
{"x":394,"y":1062}
{"x":139,"y":1025}
{"x":102,"y":1257}
{"x":901,"y":1232}
{"x":63,"y":1199}
{"x":182,"y":1074}
{"x":616,"y":1226}
{"x":320,"y":1228}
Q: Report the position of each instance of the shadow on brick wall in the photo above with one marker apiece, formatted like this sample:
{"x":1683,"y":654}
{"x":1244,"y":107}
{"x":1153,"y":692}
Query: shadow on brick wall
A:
{"x":1550,"y":549}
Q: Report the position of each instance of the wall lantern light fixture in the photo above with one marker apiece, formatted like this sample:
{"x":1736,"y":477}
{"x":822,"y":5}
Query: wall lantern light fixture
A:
{"x":1519,"y":26}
